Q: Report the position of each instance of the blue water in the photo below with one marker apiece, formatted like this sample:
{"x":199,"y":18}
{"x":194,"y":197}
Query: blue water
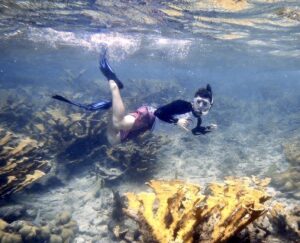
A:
{"x":254,"y":74}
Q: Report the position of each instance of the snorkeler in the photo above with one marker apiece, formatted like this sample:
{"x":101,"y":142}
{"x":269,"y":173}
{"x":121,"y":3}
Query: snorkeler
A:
{"x":126,"y":126}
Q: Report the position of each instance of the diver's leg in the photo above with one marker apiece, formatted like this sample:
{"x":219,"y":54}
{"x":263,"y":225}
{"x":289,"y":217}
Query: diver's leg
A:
{"x":113,"y":135}
{"x":120,"y":121}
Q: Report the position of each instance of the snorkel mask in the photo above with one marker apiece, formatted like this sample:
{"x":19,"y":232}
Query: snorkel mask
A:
{"x":201,"y":105}
{"x":203,"y":101}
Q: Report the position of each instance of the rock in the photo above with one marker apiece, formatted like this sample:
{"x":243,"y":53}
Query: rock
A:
{"x":80,"y":240}
{"x":285,"y":223}
{"x":293,"y":222}
{"x":29,"y":232}
{"x":95,"y":239}
{"x":84,"y":228}
{"x":288,"y":181}
{"x":265,"y":223}
{"x":64,"y":218}
{"x":296,"y":195}
{"x":55,"y":239}
{"x":31,"y":213}
{"x":16,"y":225}
{"x":44,"y":232}
{"x":67,"y":234}
{"x":296,"y":211}
{"x":98,"y":186}
{"x":293,"y":14}
{"x":25,"y":230}
{"x":129,"y":236}
{"x":288,"y":186}
{"x":116,"y":231}
{"x":3,"y":224}
{"x":98,"y":221}
{"x":103,"y":230}
{"x":11,"y":238}
{"x":31,"y":236}
{"x":56,"y":230}
{"x":11,"y":213}
{"x":292,"y":152}
{"x":72,"y":225}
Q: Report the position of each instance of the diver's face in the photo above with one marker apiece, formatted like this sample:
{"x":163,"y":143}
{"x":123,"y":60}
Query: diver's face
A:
{"x":201,"y":105}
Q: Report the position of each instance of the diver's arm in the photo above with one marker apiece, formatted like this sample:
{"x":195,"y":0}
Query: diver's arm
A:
{"x":166,"y":113}
{"x":165,"y":116}
{"x":201,"y":130}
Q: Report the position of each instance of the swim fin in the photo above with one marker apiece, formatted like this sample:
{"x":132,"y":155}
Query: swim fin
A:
{"x":108,"y":72}
{"x":101,"y":105}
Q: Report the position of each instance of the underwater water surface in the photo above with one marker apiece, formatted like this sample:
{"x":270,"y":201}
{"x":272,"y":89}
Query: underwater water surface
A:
{"x":249,"y":52}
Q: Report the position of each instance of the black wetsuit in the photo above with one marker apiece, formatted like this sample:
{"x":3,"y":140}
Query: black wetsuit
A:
{"x":166,"y":113}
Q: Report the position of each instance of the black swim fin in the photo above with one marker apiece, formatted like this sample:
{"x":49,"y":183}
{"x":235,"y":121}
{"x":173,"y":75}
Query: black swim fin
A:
{"x":108,"y":72}
{"x":101,"y":105}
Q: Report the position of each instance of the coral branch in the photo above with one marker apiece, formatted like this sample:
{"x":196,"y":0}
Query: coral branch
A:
{"x":178,"y":212}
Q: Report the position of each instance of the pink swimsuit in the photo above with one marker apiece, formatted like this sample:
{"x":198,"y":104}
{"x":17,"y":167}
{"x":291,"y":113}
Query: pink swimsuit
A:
{"x":144,"y":120}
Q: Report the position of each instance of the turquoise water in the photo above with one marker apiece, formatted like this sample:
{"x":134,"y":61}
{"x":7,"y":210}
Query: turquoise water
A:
{"x":251,"y":58}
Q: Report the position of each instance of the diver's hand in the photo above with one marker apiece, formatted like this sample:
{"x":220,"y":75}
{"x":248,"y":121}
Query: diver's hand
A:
{"x":212,"y":126}
{"x":203,"y":130}
{"x":183,"y":123}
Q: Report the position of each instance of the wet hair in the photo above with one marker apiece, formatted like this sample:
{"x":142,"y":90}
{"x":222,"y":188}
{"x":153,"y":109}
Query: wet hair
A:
{"x":205,"y":93}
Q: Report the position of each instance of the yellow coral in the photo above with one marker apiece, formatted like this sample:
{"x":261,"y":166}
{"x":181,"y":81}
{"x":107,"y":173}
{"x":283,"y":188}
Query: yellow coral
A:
{"x":22,"y":162}
{"x":178,"y":212}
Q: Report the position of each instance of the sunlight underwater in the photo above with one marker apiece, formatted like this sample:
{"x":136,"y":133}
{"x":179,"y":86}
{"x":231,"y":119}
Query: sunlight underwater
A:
{"x":62,"y":182}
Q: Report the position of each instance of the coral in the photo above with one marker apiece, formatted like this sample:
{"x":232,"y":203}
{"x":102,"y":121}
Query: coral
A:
{"x":61,"y":229}
{"x":279,"y":224}
{"x":11,"y":238}
{"x":288,"y":181}
{"x":289,"y":13}
{"x":44,"y":135}
{"x":292,"y":152}
{"x":178,"y":212}
{"x":64,"y":218}
{"x":55,"y":239}
{"x":69,"y":130}
{"x":136,"y":156}
{"x":285,"y":222}
{"x":21,"y":162}
{"x":3,"y":224}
